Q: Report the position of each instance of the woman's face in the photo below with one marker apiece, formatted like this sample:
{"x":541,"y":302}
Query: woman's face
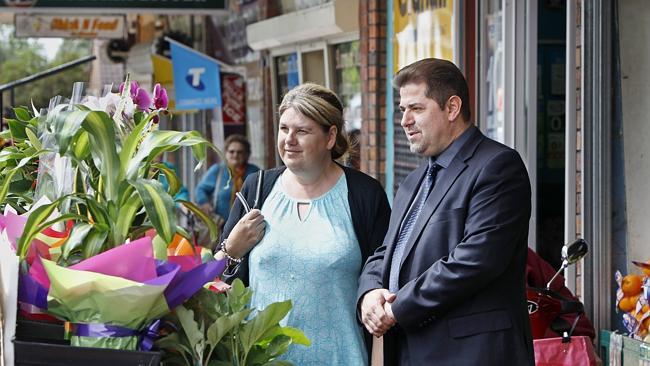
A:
{"x":236,"y":154}
{"x":302,"y":143}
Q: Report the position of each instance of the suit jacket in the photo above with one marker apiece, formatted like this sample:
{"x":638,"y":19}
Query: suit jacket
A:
{"x":462,"y":276}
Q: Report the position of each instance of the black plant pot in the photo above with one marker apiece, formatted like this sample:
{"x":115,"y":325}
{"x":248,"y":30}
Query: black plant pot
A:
{"x":40,"y":331}
{"x":34,"y":353}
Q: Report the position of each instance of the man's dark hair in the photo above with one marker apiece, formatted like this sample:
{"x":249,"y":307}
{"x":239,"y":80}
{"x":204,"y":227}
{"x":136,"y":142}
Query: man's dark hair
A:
{"x":443,"y":80}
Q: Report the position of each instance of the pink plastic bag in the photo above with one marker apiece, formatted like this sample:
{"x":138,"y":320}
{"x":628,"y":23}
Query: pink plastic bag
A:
{"x":579,"y":351}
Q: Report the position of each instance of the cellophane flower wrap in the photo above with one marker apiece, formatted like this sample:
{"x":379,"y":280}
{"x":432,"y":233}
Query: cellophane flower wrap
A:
{"x":70,"y":246}
{"x":113,"y":300}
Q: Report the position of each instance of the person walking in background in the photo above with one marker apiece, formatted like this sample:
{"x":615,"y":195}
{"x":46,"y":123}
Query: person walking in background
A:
{"x":447,"y":287}
{"x":216,"y":190}
{"x":318,"y":223}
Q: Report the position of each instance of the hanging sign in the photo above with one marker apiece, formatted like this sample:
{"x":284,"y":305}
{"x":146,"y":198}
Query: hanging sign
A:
{"x":196,"y":78}
{"x":423,"y":29}
{"x":234,"y":103}
{"x":75,"y":26}
{"x":122,"y":5}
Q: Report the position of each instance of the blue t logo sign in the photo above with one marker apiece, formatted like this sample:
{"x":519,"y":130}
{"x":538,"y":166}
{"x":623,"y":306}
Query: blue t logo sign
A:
{"x":194,"y":77}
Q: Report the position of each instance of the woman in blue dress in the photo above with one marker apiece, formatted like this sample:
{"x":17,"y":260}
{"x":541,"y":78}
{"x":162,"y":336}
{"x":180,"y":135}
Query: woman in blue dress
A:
{"x":318,"y":223}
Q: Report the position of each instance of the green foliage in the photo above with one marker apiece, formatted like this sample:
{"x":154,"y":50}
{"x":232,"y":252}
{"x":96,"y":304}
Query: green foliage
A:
{"x":217,"y":329}
{"x":21,"y":57}
{"x":19,"y":161}
{"x":115,"y":193}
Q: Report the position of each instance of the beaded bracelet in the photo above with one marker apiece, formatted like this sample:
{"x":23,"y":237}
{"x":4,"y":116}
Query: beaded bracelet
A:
{"x":222,"y":247}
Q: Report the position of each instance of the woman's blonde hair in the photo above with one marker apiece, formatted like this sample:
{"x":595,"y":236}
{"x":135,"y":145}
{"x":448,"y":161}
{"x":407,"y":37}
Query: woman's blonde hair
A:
{"x":322,"y":106}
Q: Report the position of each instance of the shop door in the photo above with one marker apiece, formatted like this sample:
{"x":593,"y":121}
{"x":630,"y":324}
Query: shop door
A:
{"x":551,"y":129}
{"x":522,"y":103}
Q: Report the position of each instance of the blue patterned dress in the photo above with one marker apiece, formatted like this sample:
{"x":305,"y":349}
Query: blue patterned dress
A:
{"x":315,"y":262}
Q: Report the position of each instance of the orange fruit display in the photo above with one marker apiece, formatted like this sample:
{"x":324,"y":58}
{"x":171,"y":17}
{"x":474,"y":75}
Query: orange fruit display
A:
{"x":632,"y":285}
{"x":628,"y":304}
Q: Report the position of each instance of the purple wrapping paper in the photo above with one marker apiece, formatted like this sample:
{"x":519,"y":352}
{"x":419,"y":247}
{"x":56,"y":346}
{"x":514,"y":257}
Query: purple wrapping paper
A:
{"x":188,"y":283}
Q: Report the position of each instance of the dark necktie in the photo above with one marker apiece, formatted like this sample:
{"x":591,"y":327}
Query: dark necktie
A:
{"x":408,"y":223}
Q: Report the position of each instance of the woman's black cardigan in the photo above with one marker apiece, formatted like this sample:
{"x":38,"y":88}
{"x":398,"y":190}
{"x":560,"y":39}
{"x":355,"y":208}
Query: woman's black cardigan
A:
{"x":369,"y":209}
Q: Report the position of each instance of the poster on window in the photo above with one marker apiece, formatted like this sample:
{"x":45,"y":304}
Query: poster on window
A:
{"x":423,"y":29}
{"x":233,"y":97}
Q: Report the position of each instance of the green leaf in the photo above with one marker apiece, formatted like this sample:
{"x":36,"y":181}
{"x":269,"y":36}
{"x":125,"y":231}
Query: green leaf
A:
{"x":252,"y":331}
{"x":35,"y":224}
{"x":75,"y":240}
{"x":104,"y":150}
{"x":33,"y":139}
{"x":17,"y":129}
{"x":38,"y":216}
{"x":159,"y":248}
{"x":97,"y":211}
{"x":223,"y":325}
{"x":6,"y":183}
{"x":131,"y":143}
{"x":192,"y":330}
{"x":22,"y":114}
{"x":159,"y":141}
{"x":279,"y":345}
{"x":211,"y":225}
{"x":95,"y":240}
{"x":159,"y":206}
{"x":172,"y":179}
{"x":66,"y":126}
{"x":238,"y":296}
{"x":125,"y":216}
{"x":81,"y":146}
{"x":297,"y":336}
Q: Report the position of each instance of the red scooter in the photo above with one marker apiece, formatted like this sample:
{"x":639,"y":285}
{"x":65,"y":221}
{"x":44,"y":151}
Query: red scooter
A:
{"x":545,"y":310}
{"x":545,"y":306}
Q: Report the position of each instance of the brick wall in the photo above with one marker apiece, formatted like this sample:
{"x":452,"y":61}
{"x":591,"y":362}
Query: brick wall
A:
{"x":372,"y":29}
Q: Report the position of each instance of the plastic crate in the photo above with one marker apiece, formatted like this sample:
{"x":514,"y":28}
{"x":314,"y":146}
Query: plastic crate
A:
{"x":40,"y":354}
{"x":633,"y":352}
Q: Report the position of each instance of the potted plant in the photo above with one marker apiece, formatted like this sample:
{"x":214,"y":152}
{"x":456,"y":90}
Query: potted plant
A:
{"x":219,"y":329}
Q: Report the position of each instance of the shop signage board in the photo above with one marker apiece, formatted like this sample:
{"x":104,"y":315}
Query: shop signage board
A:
{"x":234,"y":103}
{"x":423,"y":29}
{"x":196,"y":78}
{"x":76,"y":26}
{"x":125,"y":6}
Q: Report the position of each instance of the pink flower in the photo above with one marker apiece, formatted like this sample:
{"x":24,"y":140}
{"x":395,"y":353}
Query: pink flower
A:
{"x":160,"y":99}
{"x":139,"y":96}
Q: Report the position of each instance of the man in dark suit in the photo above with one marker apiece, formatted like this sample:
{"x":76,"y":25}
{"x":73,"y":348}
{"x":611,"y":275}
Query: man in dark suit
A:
{"x":447,"y":287}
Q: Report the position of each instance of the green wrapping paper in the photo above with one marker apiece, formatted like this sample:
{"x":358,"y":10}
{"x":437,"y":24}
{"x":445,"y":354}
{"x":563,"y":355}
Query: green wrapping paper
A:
{"x":87,"y":297}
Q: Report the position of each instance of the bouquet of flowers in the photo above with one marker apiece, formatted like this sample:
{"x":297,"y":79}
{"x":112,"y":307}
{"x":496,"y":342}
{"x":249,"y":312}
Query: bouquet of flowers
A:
{"x":95,"y":160}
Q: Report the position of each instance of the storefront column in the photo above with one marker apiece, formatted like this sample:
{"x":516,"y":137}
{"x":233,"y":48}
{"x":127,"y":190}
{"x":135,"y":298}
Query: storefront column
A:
{"x":372,"y":31}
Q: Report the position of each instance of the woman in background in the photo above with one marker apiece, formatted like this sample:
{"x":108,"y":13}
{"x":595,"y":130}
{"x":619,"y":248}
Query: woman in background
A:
{"x":216,"y":190}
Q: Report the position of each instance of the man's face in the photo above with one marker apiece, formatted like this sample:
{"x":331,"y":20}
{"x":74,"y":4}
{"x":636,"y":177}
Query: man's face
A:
{"x":427,"y":126}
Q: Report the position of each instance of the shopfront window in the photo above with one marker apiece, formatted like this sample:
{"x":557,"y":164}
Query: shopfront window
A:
{"x":286,"y":71}
{"x":494,"y":75}
{"x":347,"y":82}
